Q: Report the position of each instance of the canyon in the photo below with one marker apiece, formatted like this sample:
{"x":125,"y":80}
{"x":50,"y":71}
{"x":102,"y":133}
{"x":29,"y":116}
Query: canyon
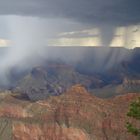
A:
{"x":74,"y":115}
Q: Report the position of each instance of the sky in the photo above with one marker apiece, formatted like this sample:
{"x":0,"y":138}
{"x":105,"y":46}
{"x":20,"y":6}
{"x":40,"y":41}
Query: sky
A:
{"x":69,"y":23}
{"x":28,"y":27}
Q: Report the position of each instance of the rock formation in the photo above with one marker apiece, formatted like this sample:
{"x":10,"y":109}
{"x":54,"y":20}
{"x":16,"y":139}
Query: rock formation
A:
{"x":74,"y":115}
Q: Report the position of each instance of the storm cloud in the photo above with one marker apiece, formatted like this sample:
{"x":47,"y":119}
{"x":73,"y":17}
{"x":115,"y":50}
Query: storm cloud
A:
{"x":117,"y":12}
{"x":30,"y":23}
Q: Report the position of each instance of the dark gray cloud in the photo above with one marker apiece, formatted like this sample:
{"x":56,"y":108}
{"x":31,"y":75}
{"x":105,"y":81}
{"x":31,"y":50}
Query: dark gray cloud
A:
{"x":120,"y":12}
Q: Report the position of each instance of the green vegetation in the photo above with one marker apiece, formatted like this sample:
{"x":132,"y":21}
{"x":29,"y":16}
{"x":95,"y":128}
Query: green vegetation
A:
{"x":134,"y":112}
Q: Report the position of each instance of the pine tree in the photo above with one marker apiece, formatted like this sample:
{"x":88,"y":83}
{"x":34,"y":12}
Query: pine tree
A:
{"x":134,"y":112}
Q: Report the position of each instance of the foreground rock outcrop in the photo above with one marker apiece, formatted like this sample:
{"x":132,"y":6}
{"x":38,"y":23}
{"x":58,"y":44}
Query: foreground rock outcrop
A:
{"x":74,"y":115}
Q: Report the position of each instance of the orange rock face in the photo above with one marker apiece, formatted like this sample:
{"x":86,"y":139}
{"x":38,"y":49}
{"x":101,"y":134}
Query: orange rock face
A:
{"x":75,"y":115}
{"x":21,"y":132}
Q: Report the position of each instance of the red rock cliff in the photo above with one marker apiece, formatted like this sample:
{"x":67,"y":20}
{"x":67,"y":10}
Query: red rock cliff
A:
{"x":75,"y":115}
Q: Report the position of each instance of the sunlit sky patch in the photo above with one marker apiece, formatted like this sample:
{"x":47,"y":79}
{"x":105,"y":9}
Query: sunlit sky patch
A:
{"x":4,"y":43}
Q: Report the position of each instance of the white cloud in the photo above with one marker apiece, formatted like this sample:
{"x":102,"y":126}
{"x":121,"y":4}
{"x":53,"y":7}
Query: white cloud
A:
{"x":87,"y":32}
